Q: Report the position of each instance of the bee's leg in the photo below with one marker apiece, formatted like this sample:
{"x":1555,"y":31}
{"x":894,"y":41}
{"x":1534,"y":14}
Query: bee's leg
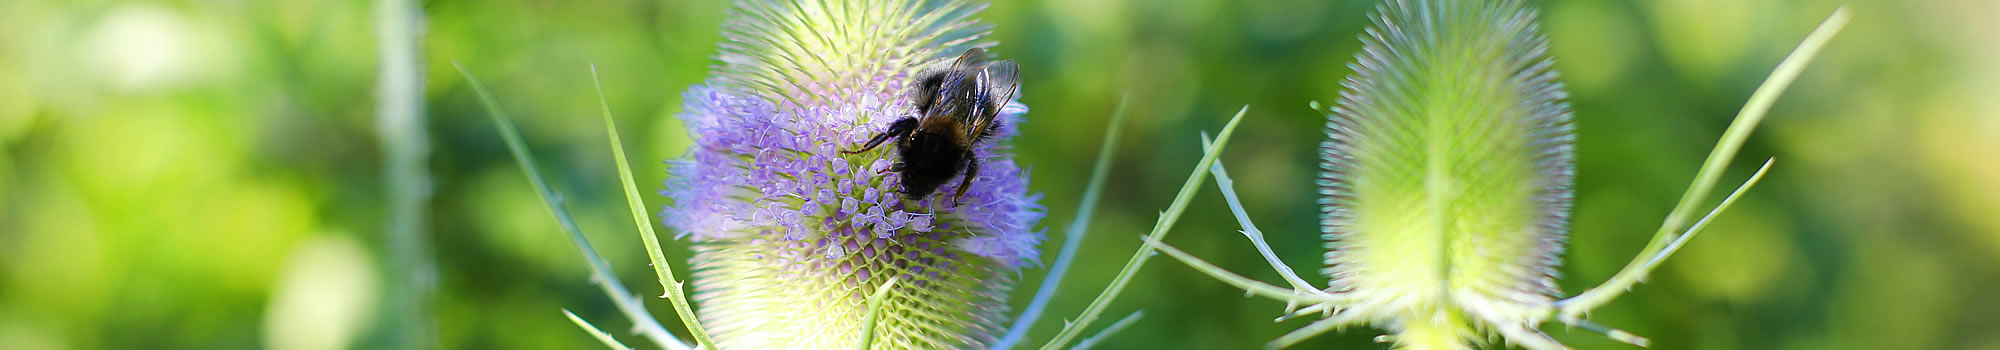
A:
{"x":898,"y":129}
{"x":897,"y":167}
{"x":971,"y":171}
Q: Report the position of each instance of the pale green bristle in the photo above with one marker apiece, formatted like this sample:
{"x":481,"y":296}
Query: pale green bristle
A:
{"x":818,"y":52}
{"x":1447,"y":173}
{"x":768,"y":294}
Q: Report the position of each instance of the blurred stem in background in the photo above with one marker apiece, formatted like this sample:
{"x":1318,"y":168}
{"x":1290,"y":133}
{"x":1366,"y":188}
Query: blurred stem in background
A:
{"x":406,"y":322}
{"x":643,"y":323}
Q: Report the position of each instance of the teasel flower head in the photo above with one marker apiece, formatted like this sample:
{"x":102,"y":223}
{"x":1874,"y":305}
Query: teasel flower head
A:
{"x":1446,"y":179}
{"x":792,"y":234}
{"x":1446,"y":185}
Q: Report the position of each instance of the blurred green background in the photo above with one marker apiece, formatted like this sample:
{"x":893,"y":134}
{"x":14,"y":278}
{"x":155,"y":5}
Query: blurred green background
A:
{"x":206,"y":174}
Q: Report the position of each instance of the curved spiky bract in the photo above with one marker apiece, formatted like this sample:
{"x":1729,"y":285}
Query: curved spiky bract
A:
{"x":792,"y":233}
{"x":1447,"y":174}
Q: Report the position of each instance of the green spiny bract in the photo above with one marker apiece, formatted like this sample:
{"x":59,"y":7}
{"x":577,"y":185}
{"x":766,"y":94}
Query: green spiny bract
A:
{"x":1446,"y":186}
{"x":1446,"y":179}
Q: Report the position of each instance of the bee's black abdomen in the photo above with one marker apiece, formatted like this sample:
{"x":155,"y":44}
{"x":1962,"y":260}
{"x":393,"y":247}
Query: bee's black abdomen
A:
{"x":929,"y":159}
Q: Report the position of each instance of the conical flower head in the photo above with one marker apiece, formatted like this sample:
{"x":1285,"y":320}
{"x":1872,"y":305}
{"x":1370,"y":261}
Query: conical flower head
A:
{"x":792,"y":234}
{"x":1447,"y":175}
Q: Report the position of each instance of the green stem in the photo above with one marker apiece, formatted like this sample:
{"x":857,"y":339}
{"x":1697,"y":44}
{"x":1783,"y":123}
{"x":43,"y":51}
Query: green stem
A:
{"x":602,"y":337}
{"x":1248,"y":285}
{"x":675,"y":293}
{"x":1251,"y":232}
{"x":1711,"y":172}
{"x":1106,"y":333}
{"x":399,"y":117}
{"x":1160,"y":228}
{"x":601,"y":273}
{"x":1099,"y":173}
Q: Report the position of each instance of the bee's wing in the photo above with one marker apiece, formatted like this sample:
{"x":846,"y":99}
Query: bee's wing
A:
{"x":1003,"y":79}
{"x":952,"y":84}
{"x":1000,"y":81}
{"x":972,"y":59}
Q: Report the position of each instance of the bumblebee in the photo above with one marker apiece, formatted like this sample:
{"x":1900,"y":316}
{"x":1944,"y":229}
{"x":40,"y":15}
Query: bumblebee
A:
{"x":956,"y":106}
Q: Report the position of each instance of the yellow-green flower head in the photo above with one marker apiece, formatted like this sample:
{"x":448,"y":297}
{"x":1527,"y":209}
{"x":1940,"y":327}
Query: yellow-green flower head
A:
{"x":1446,"y":182}
{"x":792,"y":234}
